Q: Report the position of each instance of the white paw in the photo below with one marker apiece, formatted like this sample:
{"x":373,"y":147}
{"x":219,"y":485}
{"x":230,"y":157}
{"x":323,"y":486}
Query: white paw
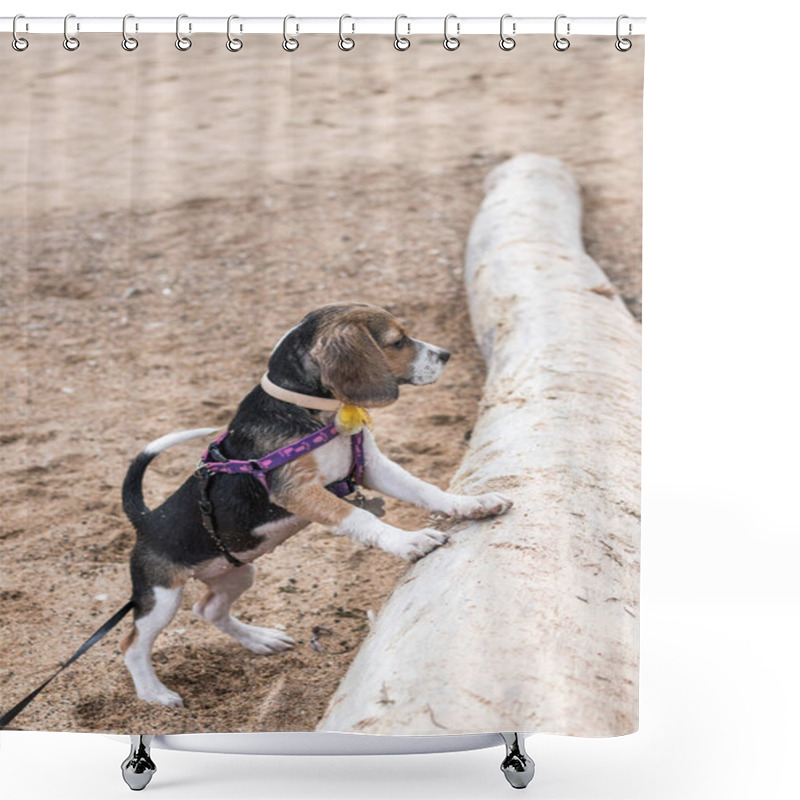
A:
{"x":161,"y":695}
{"x":264,"y":641}
{"x":412,"y":545}
{"x":484,"y":505}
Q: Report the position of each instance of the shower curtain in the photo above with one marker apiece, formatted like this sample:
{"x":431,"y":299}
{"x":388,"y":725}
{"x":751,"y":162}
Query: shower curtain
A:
{"x":167,"y":217}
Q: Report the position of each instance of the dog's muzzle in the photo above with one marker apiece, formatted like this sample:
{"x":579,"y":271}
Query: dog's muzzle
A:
{"x":428,"y":364}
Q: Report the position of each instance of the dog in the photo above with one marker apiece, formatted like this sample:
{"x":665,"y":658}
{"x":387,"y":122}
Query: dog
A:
{"x":339,"y":356}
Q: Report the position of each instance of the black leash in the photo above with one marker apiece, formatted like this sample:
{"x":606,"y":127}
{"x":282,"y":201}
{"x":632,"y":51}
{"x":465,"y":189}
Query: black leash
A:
{"x":92,"y":640}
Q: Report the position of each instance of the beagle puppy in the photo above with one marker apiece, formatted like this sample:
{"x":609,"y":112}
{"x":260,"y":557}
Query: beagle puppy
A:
{"x":354,"y":354}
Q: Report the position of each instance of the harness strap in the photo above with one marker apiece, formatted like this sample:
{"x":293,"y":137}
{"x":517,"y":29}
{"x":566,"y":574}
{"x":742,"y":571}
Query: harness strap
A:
{"x":348,"y":485}
{"x":207,"y":517}
{"x":259,"y":467}
{"x":213,"y":462}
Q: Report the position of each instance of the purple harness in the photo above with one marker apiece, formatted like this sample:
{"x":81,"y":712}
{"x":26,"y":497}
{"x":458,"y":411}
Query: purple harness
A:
{"x":213,"y":461}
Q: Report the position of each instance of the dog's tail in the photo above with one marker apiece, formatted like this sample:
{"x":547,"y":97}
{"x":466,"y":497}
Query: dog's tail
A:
{"x":132,"y":495}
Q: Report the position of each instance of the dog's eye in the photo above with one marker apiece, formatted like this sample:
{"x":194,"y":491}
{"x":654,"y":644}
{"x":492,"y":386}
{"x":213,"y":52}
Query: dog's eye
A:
{"x":399,"y":344}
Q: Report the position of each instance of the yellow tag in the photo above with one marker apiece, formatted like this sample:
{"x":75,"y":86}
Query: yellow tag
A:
{"x":351,"y":419}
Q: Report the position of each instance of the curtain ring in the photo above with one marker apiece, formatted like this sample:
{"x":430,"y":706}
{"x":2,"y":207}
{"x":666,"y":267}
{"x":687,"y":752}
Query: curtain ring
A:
{"x":507,"y":42}
{"x":560,"y":43}
{"x":71,"y":43}
{"x":346,"y":42}
{"x":182,"y":42}
{"x":17,"y":42}
{"x":451,"y":42}
{"x":401,"y":42}
{"x":289,"y":44}
{"x":234,"y":45}
{"x":129,"y":43}
{"x":623,"y":45}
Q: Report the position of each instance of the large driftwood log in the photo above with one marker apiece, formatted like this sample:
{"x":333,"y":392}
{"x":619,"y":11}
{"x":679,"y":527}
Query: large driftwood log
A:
{"x":526,"y":622}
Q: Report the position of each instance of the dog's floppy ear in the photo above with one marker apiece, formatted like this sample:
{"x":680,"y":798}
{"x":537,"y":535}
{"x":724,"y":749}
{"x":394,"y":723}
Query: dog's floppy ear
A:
{"x":353,"y":368}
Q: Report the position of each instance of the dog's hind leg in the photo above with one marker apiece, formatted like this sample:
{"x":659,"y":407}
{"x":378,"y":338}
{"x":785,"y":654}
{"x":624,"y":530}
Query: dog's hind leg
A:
{"x":223,"y":591}
{"x":165,"y":604}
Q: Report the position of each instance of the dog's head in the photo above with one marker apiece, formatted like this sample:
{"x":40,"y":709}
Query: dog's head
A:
{"x":355,"y":352}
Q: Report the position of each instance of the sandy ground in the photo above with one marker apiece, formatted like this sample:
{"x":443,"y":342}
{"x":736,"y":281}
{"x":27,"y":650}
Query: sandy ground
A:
{"x":166,"y":216}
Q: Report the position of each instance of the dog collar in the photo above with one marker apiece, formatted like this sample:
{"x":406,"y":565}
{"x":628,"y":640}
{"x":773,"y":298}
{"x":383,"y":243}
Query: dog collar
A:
{"x":304,"y":400}
{"x":349,"y":419}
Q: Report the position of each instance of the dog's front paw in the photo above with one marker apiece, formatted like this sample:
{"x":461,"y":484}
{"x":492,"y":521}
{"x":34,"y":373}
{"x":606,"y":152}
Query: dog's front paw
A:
{"x":162,"y":696}
{"x":484,"y":505}
{"x":413,"y":545}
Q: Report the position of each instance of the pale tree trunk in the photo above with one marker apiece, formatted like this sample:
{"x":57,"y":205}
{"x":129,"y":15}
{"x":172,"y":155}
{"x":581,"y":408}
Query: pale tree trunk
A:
{"x":526,"y":622}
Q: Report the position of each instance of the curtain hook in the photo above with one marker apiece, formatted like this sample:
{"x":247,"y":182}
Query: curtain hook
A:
{"x":401,"y":42}
{"x":17,"y":42}
{"x":623,"y":45}
{"x":182,"y":42}
{"x":129,"y":43}
{"x":507,"y":42}
{"x":289,"y":44}
{"x":346,"y":42}
{"x":560,"y":43}
{"x":234,"y":45}
{"x":71,"y":43}
{"x":451,"y":42}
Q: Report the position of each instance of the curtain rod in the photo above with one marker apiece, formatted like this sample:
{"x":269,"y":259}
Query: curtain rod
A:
{"x":407,"y":26}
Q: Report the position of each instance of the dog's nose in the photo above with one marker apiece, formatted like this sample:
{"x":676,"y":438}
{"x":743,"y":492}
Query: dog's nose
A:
{"x":444,"y":356}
